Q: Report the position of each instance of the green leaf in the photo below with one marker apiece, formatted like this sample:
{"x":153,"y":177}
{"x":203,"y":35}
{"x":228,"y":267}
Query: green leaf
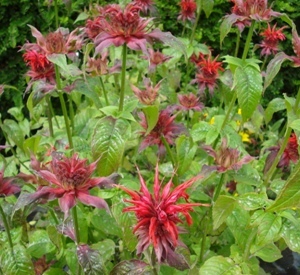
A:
{"x":269,"y":253}
{"x":199,"y":130}
{"x":226,"y":25}
{"x":186,"y":151}
{"x":219,"y":265}
{"x":222,"y":208}
{"x":90,"y":260}
{"x":291,"y":234}
{"x":295,"y":125}
{"x":20,"y":263}
{"x":105,"y":222}
{"x":151,"y":113}
{"x":252,"y":201}
{"x":14,"y":132}
{"x":207,"y":6}
{"x":106,"y":249}
{"x":268,"y":227}
{"x":248,"y":84}
{"x":61,"y":61}
{"x":275,"y":105}
{"x":81,"y":17}
{"x":39,"y":244}
{"x":274,"y":67}
{"x":289,"y":195}
{"x":108,"y":143}
{"x":132,"y":267}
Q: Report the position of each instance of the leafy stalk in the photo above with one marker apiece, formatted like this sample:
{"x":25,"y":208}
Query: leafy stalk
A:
{"x":123,"y":74}
{"x":219,"y":187}
{"x":49,"y":115}
{"x":104,"y":91}
{"x":248,"y":40}
{"x":7,"y":229}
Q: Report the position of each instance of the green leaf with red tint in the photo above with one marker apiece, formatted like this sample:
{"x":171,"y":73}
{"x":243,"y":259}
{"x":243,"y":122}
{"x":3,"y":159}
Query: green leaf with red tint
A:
{"x":132,"y":267}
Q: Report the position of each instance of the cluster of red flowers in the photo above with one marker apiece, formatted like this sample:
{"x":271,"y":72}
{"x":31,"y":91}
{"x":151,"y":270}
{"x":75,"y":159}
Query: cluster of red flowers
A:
{"x":187,"y":10}
{"x":207,"y":71}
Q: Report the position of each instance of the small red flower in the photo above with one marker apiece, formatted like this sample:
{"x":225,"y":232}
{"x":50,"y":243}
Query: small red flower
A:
{"x":188,"y":10}
{"x":290,"y":153}
{"x":40,"y":66}
{"x":165,"y":127}
{"x":208,"y":73}
{"x":190,"y":102}
{"x":156,"y":58}
{"x":227,"y":158}
{"x":158,"y":215}
{"x":7,"y":187}
{"x":69,"y":179}
{"x":272,"y":36}
{"x":118,"y":27}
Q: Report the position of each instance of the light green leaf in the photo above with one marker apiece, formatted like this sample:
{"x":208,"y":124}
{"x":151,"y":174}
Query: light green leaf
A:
{"x":20,"y":263}
{"x":186,"y":151}
{"x":268,"y":227}
{"x":151,"y":113}
{"x":295,"y":125}
{"x":219,"y":265}
{"x":248,"y":84}
{"x":275,"y":105}
{"x":289,"y":196}
{"x":108,"y":143}
{"x":252,"y":201}
{"x":106,"y":249}
{"x":269,"y":253}
{"x":39,"y":244}
{"x":199,"y":130}
{"x":132,"y":267}
{"x":14,"y":132}
{"x":222,"y":208}
{"x":291,"y":234}
{"x":207,"y":6}
{"x":226,"y":25}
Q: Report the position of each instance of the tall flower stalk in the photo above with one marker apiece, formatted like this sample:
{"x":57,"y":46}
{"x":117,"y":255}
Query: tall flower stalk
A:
{"x":123,"y":76}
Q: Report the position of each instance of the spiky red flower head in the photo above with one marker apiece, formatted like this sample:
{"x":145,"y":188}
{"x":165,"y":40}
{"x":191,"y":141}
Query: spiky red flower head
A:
{"x":69,"y":179}
{"x":165,"y":128}
{"x":208,"y":72}
{"x":156,"y":58}
{"x":40,"y":66}
{"x":119,"y":27}
{"x":7,"y":187}
{"x":187,"y":10}
{"x":190,"y":102}
{"x":290,"y":152}
{"x":272,"y":36}
{"x":158,"y":215}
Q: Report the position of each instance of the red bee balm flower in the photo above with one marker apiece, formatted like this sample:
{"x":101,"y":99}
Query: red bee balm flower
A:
{"x":158,"y":216}
{"x":290,"y":153}
{"x":208,"y":73}
{"x":272,"y":36}
{"x":165,"y":127}
{"x":145,"y":5}
{"x":40,"y":66}
{"x":188,"y":9}
{"x":118,"y":27}
{"x":190,"y":102}
{"x":70,"y":179}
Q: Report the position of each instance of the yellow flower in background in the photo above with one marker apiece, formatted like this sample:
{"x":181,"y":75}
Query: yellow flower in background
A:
{"x":240,"y":111}
{"x":245,"y":137}
{"x":212,"y":120}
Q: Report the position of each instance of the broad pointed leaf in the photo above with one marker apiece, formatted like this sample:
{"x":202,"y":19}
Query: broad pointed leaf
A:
{"x":39,"y":244}
{"x":108,"y":143}
{"x":151,"y":113}
{"x":291,"y":234}
{"x":275,"y":105}
{"x":248,"y":85}
{"x":132,"y":267}
{"x":207,"y":6}
{"x":222,"y":208}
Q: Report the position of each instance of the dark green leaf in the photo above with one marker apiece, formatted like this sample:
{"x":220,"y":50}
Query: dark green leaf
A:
{"x":207,"y":6}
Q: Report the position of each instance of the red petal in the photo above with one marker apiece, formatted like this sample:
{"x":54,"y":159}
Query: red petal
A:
{"x":66,"y":202}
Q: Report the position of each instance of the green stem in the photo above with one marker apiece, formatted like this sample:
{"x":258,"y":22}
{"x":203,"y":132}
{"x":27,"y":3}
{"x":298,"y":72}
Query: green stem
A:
{"x":203,"y":241}
{"x":248,"y":245}
{"x":77,"y":234}
{"x":123,"y":74}
{"x":167,"y":146}
{"x":237,"y":45}
{"x":49,"y":116}
{"x":104,"y":91}
{"x":264,"y":63}
{"x":219,"y":187}
{"x":53,"y":114}
{"x":195,"y":24}
{"x":7,"y":230}
{"x":248,"y":40}
{"x":63,"y":106}
{"x":71,"y":110}
{"x":53,"y":215}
